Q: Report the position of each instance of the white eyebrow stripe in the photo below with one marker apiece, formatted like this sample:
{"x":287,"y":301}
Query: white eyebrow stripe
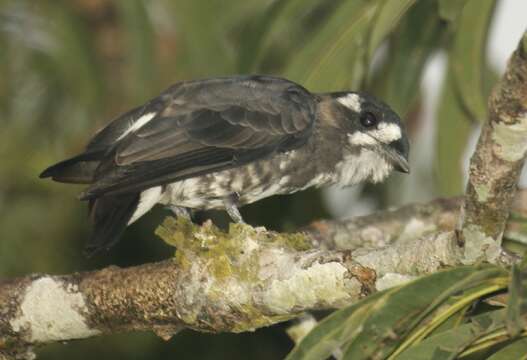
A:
{"x":351,"y":101}
{"x":138,"y":124}
{"x":385,"y":133}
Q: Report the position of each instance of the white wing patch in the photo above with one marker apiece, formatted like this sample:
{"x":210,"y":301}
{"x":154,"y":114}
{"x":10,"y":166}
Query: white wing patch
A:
{"x":351,"y":101}
{"x":384,"y":133}
{"x":148,"y":199}
{"x":138,"y":124}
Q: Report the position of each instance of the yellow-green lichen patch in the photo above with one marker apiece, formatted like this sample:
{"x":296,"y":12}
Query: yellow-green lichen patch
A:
{"x":255,"y":319}
{"x":226,"y":254}
{"x":479,"y":246}
{"x":511,"y":139}
{"x":483,"y":192}
{"x":175,"y":231}
{"x":294,"y":241}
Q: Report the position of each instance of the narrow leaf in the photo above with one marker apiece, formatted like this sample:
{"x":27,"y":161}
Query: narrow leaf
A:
{"x":323,"y":64}
{"x":468,"y":55}
{"x":388,"y":15}
{"x":453,"y":132}
{"x":331,"y":333}
{"x":450,"y":9}
{"x":517,"y":304}
{"x":251,"y":44}
{"x":517,"y":350}
{"x":449,"y":344}
{"x":275,"y":35}
{"x":405,"y":308}
{"x":398,"y":79}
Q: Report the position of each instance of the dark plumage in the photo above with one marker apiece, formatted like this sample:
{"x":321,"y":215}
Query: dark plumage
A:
{"x":229,"y":141}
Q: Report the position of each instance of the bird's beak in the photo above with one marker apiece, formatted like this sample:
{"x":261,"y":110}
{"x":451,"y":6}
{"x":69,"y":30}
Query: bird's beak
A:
{"x":397,"y":153}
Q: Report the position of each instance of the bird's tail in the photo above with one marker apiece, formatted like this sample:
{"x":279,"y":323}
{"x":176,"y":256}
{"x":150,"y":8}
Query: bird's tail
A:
{"x":79,"y":169}
{"x":110,"y":216}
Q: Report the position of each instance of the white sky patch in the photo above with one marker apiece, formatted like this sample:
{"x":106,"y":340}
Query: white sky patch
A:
{"x":148,"y":199}
{"x":385,"y":133}
{"x":52,"y":313}
{"x":138,"y":124}
{"x":351,"y":101}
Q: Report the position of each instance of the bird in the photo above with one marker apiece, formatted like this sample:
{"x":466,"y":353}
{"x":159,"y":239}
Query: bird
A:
{"x":224,"y":142}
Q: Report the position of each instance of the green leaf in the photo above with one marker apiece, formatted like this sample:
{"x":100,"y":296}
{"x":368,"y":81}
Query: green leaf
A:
{"x":324,"y":63}
{"x":398,"y":80}
{"x":273,"y":33}
{"x":332,"y":332}
{"x":252,"y":39}
{"x":388,"y":15}
{"x":468,"y":55}
{"x":517,"y":304}
{"x":449,"y":344}
{"x":517,"y":350}
{"x":453,"y":309}
{"x":408,"y":306}
{"x":450,"y":9}
{"x":453,"y":132}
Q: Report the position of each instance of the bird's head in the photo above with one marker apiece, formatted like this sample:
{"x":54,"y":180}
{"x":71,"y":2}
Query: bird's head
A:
{"x":368,"y":123}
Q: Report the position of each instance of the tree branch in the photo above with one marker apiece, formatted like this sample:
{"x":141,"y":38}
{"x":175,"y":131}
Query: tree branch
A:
{"x":236,"y":281}
{"x":497,"y":162}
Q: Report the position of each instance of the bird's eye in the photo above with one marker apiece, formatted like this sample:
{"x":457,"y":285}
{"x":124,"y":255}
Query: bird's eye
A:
{"x":368,"y":119}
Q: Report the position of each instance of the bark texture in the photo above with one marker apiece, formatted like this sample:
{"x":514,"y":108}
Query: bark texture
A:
{"x":496,"y":164}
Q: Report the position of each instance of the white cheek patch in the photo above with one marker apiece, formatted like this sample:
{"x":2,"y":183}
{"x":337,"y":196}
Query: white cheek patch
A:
{"x":360,"y":139}
{"x":138,"y":124}
{"x":351,"y":101}
{"x":385,"y":133}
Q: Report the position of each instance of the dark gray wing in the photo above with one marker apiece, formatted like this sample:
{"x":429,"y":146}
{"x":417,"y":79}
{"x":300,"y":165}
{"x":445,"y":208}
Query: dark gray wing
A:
{"x":204,"y":126}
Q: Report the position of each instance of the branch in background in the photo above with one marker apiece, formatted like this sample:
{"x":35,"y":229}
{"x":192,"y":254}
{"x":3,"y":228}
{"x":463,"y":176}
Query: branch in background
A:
{"x":406,"y":223}
{"x":497,"y":162}
{"x":386,"y":227}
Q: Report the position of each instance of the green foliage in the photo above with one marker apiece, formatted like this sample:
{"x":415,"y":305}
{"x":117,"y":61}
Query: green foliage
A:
{"x":453,"y":132}
{"x":398,"y":81}
{"x":428,"y":319}
{"x":468,"y":59}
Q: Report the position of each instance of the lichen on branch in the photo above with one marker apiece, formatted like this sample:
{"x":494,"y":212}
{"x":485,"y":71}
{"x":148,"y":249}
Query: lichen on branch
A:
{"x":497,"y":162}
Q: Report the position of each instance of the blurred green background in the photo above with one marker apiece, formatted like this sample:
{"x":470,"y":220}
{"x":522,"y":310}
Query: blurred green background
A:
{"x":67,"y":67}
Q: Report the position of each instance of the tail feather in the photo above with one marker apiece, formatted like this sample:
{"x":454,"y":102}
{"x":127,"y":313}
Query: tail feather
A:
{"x":79,"y":169}
{"x":110,"y":216}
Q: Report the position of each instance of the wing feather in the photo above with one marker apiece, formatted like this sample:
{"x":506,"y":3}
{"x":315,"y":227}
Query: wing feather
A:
{"x":206,"y":126}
